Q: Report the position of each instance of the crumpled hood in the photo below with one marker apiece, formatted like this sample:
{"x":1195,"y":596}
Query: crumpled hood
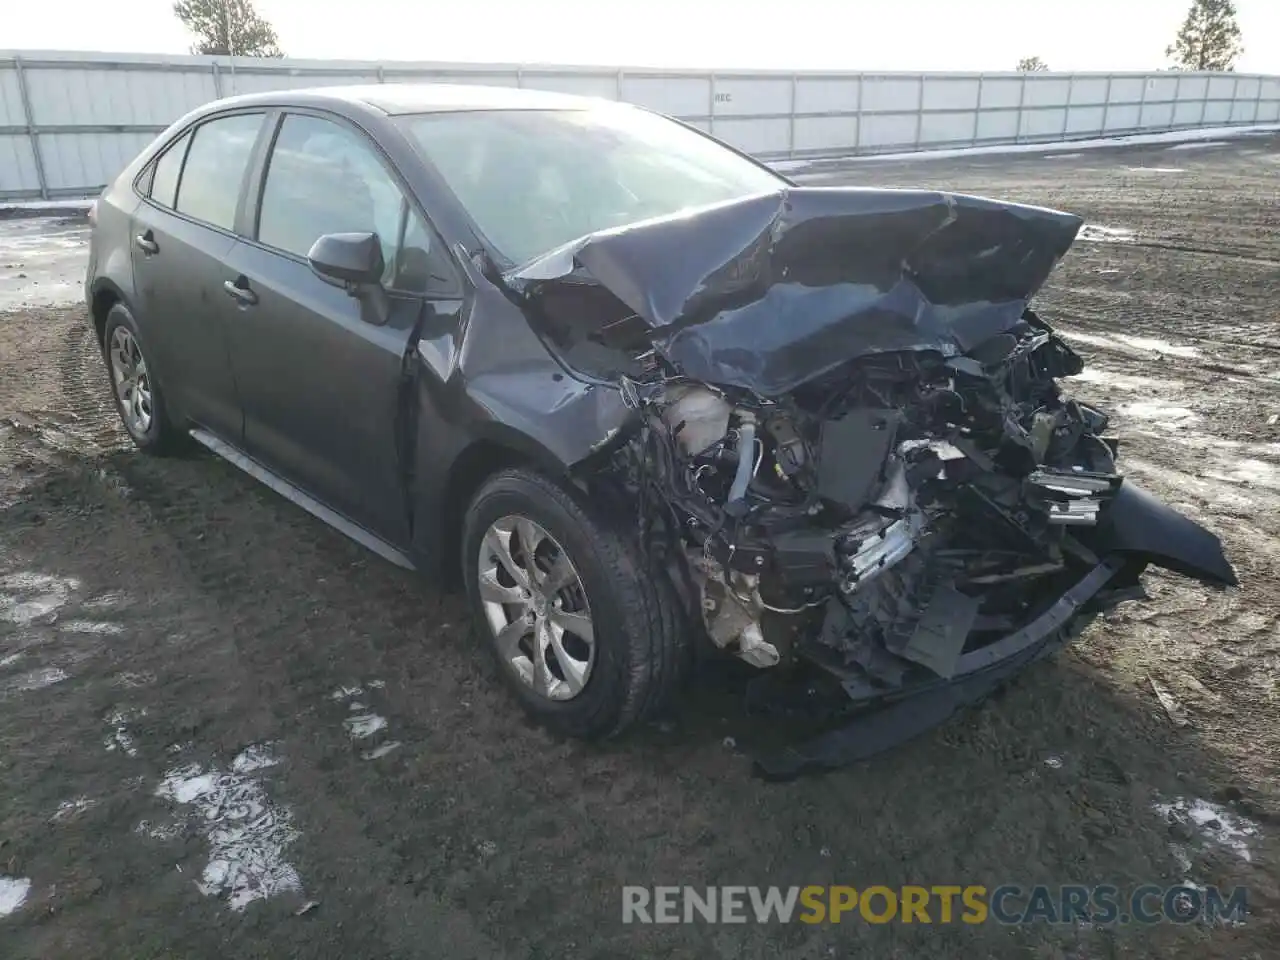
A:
{"x":774,"y":289}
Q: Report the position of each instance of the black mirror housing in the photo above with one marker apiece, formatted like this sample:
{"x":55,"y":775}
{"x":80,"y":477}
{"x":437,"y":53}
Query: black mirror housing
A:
{"x":352,"y":259}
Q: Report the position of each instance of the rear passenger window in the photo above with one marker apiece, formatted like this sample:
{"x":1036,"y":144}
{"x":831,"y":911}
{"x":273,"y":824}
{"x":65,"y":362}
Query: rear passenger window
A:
{"x":216,"y":162}
{"x":164,"y":182}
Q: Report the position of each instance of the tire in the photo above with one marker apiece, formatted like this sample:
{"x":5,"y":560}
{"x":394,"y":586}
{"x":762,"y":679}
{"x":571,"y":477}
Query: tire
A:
{"x":638,"y":652}
{"x":154,"y":433}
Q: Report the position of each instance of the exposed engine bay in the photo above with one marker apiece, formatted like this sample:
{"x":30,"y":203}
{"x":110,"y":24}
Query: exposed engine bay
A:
{"x":882,"y":519}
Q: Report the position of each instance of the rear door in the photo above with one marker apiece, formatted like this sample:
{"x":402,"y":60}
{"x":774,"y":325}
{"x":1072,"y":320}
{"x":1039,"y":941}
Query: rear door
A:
{"x":321,"y":386}
{"x":181,"y":235}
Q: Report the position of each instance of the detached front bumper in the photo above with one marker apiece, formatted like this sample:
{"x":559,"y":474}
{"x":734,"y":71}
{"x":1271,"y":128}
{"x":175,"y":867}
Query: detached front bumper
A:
{"x":1136,"y":529}
{"x":926,"y":706}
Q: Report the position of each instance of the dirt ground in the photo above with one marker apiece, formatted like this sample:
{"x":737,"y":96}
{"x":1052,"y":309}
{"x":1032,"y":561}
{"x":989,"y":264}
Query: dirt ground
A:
{"x":181,"y":731}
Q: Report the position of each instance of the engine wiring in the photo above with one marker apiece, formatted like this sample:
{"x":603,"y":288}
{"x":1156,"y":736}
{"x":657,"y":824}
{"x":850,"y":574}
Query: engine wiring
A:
{"x":964,"y":437}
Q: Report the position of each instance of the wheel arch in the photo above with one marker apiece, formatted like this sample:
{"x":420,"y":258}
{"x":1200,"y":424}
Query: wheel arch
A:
{"x":104,"y":295}
{"x":487,"y":454}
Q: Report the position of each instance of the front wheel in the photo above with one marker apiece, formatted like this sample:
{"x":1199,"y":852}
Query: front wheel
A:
{"x":585,"y":636}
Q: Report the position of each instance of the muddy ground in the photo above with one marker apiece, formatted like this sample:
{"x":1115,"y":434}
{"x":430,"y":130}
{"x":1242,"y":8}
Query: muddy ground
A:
{"x":186,"y":762}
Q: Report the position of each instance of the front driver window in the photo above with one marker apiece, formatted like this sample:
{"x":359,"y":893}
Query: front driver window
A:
{"x":326,"y":178}
{"x":323,"y":178}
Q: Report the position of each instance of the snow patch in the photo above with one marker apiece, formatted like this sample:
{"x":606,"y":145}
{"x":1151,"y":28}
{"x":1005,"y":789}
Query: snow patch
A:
{"x":1121,"y":381}
{"x":1250,"y":472}
{"x":1096,"y":233}
{"x":1158,"y":411}
{"x":247,"y":834}
{"x":13,"y":894}
{"x":120,"y":738}
{"x":1214,"y":823}
{"x":1089,"y":338}
{"x":81,"y":206}
{"x":380,"y":751}
{"x":1159,"y":346}
{"x":253,"y":758}
{"x":1131,"y":344}
{"x":1216,"y":493}
{"x":131,"y":679}
{"x":108,"y":601}
{"x":90,"y":626}
{"x":39,"y":679}
{"x":1199,"y":145}
{"x":159,"y":831}
{"x":70,"y":809}
{"x":26,"y":596}
{"x":364,"y":725}
{"x":1141,"y":139}
{"x":1182,"y":858}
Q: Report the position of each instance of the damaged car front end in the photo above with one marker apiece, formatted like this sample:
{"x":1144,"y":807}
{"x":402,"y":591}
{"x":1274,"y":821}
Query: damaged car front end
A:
{"x":848,"y":444}
{"x":637,"y":391}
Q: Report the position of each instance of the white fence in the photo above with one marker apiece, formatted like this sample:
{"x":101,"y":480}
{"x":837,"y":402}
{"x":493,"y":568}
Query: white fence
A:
{"x":70,"y":121}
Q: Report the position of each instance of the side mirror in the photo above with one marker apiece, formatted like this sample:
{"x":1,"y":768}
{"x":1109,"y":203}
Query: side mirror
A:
{"x":353,"y":260}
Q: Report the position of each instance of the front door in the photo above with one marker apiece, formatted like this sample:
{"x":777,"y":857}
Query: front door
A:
{"x":321,"y":386}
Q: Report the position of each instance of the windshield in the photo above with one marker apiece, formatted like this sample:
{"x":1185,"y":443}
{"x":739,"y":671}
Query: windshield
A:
{"x":535,"y":179}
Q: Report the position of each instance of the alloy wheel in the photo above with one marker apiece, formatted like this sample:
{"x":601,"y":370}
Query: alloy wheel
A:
{"x":131,"y":381}
{"x":536,"y":605}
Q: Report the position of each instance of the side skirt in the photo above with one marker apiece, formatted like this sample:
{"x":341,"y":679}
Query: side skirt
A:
{"x":308,"y":503}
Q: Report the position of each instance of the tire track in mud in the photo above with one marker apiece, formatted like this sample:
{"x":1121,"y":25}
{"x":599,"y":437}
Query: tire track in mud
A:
{"x":1218,"y":253}
{"x":86,"y":393}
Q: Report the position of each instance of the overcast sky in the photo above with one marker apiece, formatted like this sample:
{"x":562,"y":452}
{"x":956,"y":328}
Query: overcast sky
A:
{"x":813,"y":34}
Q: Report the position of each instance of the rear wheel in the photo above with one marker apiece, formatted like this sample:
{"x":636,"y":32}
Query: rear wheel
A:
{"x":584,"y":635}
{"x":134,"y":388}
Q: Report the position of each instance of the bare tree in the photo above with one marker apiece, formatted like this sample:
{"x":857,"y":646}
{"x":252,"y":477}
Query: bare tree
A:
{"x":1032,"y":65}
{"x":226,"y":27}
{"x":1209,"y":38}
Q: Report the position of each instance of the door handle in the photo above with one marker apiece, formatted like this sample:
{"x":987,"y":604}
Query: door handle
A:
{"x":239,"y":291}
{"x":146,"y":243}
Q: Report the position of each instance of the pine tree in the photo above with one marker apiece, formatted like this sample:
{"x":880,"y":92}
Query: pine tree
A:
{"x":225,"y":27}
{"x":1032,"y":65}
{"x":1209,"y":38}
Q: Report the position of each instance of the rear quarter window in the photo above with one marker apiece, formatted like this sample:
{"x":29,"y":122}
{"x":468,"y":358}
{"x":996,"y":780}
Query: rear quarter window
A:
{"x":168,"y":168}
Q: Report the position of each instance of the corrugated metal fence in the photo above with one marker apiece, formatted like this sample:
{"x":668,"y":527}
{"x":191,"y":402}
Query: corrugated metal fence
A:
{"x":70,"y":121}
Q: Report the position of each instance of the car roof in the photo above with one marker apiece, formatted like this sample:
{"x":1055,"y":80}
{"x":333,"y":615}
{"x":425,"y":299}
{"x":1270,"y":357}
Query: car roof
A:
{"x":404,"y":98}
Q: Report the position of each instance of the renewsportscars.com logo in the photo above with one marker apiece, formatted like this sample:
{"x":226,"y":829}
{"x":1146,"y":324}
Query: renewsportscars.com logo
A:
{"x":973,"y":904}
